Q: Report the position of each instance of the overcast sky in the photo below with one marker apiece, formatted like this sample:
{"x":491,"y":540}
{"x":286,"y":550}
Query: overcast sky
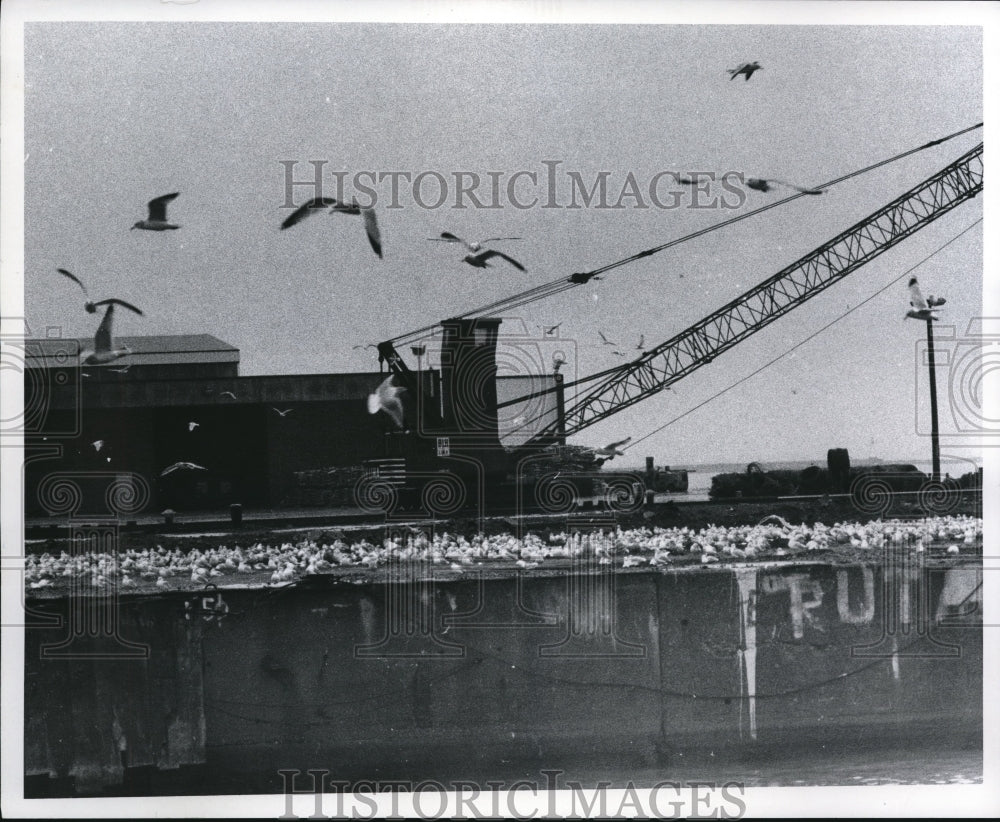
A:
{"x":116,"y":113}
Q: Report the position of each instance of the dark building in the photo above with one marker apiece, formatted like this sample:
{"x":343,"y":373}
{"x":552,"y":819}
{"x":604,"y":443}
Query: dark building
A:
{"x":181,"y":399}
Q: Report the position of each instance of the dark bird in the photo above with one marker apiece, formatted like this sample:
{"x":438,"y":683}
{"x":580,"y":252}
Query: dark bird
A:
{"x":759,"y":184}
{"x":367,"y":214}
{"x":368,"y":345}
{"x":281,"y":413}
{"x":386,"y":398}
{"x":157,"y":219}
{"x":474,"y":246}
{"x":619,"y":353}
{"x":548,"y":331}
{"x":642,"y":343}
{"x":920,"y":308}
{"x":480,"y":260}
{"x":604,"y":339}
{"x":182,"y":466}
{"x":746,"y":69}
{"x":104,"y":348}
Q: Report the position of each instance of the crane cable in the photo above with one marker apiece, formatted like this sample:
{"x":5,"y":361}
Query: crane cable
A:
{"x":807,"y":339}
{"x":554,"y":287}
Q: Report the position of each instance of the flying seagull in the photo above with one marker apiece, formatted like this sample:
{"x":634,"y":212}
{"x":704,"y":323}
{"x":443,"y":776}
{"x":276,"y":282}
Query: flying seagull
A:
{"x":386,"y":398}
{"x":480,"y":260}
{"x":98,"y":444}
{"x":281,"y":413}
{"x":610,"y":451}
{"x":229,"y":394}
{"x":604,"y":339}
{"x":123,"y":370}
{"x":192,"y":426}
{"x":91,"y":308}
{"x":920,"y":308}
{"x":182,"y":466}
{"x":619,"y":353}
{"x":367,"y":214}
{"x":363,"y":347}
{"x":157,"y":220}
{"x":104,"y":349}
{"x":474,"y":246}
{"x":548,"y":331}
{"x":759,"y":184}
{"x":642,"y":343}
{"x":746,"y":69}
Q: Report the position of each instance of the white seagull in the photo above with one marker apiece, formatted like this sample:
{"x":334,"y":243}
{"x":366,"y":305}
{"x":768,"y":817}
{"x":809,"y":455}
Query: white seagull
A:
{"x":229,"y":394}
{"x":920,"y":308}
{"x":367,"y":214}
{"x":157,"y":219}
{"x":192,"y":425}
{"x":386,"y":398}
{"x":182,"y":466}
{"x":104,"y":349}
{"x":281,"y":413}
{"x":610,"y":451}
{"x":98,"y":444}
{"x":746,"y":69}
{"x":91,"y":308}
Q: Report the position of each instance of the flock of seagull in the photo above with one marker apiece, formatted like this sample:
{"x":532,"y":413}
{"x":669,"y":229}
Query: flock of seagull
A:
{"x":386,"y":397}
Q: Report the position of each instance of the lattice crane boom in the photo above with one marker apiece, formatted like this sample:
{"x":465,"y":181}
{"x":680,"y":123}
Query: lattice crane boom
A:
{"x":776,"y":296}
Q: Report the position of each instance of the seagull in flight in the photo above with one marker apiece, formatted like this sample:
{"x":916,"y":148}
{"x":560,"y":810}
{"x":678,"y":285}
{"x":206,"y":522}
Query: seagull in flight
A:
{"x":104,"y":348}
{"x":548,"y":331}
{"x":363,"y":347}
{"x":281,"y":413}
{"x":192,"y":425}
{"x":480,"y":260}
{"x":157,"y":219}
{"x":610,"y":451}
{"x":920,"y":308}
{"x":642,"y":343}
{"x":605,"y":340}
{"x":619,"y":353}
{"x":229,"y":394}
{"x":182,"y":466}
{"x":474,"y":246}
{"x":88,"y":304}
{"x":335,"y":206}
{"x":123,"y":370}
{"x":759,"y":184}
{"x":98,"y":445}
{"x":386,"y":398}
{"x":746,"y":69}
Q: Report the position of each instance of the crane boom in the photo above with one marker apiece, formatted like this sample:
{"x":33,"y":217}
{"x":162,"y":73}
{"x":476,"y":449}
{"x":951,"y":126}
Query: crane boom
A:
{"x":776,"y":296}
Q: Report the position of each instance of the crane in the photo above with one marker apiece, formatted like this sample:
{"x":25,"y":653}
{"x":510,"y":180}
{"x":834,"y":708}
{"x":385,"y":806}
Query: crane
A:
{"x":618,"y":388}
{"x":757,"y":308}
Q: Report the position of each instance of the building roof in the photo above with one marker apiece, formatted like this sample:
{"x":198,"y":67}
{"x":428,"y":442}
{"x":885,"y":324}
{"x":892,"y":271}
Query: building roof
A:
{"x":157,"y":349}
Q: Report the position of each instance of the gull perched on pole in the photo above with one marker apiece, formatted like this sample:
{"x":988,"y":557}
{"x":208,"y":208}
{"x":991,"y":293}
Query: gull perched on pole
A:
{"x":386,"y":398}
{"x":920,"y":308}
{"x":157,"y":219}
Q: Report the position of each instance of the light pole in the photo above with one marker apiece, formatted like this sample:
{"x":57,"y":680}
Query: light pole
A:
{"x":935,"y":444}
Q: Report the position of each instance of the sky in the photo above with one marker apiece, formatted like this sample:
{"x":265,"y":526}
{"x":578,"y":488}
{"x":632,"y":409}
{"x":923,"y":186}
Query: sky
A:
{"x":117,"y":113}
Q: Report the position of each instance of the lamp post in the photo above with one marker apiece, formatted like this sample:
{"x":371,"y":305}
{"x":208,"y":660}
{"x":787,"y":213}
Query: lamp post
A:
{"x":935,"y":444}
